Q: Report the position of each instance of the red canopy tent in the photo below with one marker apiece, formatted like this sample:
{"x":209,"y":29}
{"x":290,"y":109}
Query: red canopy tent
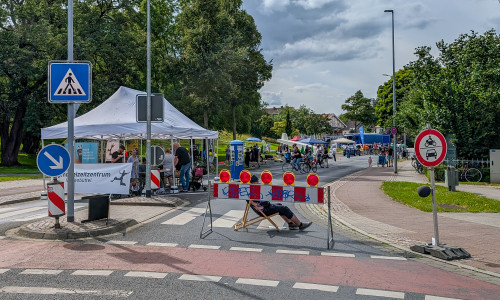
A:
{"x":295,"y":139}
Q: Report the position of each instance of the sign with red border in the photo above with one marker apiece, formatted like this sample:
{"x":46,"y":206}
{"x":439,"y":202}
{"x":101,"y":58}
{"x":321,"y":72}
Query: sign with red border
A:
{"x":430,"y":147}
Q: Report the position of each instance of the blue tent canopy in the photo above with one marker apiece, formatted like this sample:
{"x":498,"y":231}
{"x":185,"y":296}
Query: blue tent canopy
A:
{"x":253,"y":139}
{"x":312,"y":141}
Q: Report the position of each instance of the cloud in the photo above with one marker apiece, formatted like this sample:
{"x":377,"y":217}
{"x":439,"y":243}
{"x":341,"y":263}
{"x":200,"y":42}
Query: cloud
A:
{"x":272,"y":98}
{"x":309,"y":87}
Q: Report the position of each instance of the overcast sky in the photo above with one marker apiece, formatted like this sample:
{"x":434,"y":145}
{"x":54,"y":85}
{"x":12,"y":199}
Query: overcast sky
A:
{"x":323,"y":51}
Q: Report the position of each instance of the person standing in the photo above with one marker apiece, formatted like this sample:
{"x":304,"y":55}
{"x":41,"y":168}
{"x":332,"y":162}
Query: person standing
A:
{"x":168,"y":168}
{"x":228,"y":155}
{"x":134,"y":160}
{"x":117,"y":156}
{"x":181,"y":160}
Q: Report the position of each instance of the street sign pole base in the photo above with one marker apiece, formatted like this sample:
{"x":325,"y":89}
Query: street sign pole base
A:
{"x":442,"y":251}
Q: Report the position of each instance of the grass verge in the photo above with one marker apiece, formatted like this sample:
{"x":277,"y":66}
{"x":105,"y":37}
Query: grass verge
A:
{"x":406,"y":193}
{"x":11,"y":178}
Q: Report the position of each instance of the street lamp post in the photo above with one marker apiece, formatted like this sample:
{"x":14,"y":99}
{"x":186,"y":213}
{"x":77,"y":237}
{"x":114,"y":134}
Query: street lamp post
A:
{"x":394,"y":95}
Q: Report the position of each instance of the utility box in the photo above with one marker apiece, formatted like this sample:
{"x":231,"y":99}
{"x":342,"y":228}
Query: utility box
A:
{"x":495,"y":165}
{"x":237,"y":158}
{"x":451,"y":178}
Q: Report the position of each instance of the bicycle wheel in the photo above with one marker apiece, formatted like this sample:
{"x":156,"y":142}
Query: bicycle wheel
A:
{"x":473,"y":175}
{"x":324,"y":163}
{"x":305,"y":168}
{"x":287,"y":167}
{"x":420,"y":169}
{"x":314,"y":168}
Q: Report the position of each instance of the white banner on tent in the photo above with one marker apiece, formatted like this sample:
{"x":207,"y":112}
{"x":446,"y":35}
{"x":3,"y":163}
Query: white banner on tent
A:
{"x":100,"y":178}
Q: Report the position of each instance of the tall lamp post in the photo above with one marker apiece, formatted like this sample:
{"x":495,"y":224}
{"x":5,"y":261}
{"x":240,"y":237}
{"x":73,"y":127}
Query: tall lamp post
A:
{"x":394,"y":95}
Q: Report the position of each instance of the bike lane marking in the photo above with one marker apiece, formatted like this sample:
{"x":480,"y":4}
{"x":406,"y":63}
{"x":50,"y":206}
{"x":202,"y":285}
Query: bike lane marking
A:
{"x":362,"y":272}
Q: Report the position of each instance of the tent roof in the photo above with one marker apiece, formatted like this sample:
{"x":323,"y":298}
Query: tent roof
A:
{"x":312,"y":141}
{"x":116,"y":118}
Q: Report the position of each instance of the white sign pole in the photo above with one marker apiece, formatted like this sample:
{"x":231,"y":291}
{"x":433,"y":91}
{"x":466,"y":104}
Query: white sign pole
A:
{"x":71,"y":127}
{"x":434,"y":208}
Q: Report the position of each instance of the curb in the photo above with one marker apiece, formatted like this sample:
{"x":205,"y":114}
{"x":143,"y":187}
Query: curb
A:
{"x":19,"y":200}
{"x":174,"y":203}
{"x":64,"y":234}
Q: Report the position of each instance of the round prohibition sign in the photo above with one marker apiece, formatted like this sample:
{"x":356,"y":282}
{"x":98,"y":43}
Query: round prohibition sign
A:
{"x":430,"y":147}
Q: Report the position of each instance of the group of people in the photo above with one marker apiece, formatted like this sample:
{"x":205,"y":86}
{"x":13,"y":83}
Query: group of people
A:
{"x":180,"y":160}
{"x":295,"y":155}
{"x":252,"y":155}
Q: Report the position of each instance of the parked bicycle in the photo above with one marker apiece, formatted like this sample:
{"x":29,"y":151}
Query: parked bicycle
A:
{"x":469,"y":174}
{"x":417,"y":165}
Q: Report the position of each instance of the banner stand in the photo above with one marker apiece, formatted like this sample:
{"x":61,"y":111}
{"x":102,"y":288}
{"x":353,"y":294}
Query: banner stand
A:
{"x":209,"y":210}
{"x":329,"y":236}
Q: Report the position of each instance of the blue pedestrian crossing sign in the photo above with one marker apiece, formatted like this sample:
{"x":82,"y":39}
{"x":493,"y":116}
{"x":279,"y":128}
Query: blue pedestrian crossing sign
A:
{"x":70,"y":82}
{"x":53,"y":160}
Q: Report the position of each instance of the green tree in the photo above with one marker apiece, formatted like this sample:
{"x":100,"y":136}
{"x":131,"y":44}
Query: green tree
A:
{"x":459,"y":92}
{"x":383,"y":108}
{"x":359,"y":109}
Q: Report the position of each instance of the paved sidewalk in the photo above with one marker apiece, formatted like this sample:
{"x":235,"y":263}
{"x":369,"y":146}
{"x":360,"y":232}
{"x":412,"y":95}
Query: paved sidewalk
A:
{"x":20,"y":190}
{"x":359,"y":202}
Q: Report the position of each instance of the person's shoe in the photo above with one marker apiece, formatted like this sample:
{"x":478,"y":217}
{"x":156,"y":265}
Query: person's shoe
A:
{"x":292,"y":226}
{"x":183,"y":191}
{"x":305,"y":225}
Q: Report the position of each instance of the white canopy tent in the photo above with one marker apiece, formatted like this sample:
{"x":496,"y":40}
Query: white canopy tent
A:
{"x":115,"y":118}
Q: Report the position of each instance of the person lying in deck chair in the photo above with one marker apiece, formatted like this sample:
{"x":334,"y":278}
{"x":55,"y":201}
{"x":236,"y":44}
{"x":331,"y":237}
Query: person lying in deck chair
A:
{"x":266,"y":207}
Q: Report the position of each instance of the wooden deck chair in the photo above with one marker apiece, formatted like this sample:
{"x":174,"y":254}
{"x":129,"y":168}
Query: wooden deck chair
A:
{"x":245,"y":222}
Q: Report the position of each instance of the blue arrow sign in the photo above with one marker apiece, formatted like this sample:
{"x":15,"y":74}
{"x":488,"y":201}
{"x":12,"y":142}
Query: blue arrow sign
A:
{"x":70,"y":82}
{"x":53,"y":160}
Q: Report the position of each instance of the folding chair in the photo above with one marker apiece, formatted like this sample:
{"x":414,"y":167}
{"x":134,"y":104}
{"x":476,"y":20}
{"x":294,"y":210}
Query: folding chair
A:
{"x":245,"y":222}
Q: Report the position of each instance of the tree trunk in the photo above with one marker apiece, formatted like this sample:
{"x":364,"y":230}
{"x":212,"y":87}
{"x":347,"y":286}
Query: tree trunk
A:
{"x":205,"y":119}
{"x":234,"y":123}
{"x":12,"y":141}
{"x":31,"y":143}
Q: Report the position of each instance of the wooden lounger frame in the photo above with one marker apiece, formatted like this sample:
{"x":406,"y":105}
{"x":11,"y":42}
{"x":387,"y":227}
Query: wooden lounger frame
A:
{"x":245,"y":222}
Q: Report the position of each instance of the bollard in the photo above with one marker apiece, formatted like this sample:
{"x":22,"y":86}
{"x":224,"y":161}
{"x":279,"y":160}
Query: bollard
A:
{"x":55,"y":193}
{"x":451,"y":178}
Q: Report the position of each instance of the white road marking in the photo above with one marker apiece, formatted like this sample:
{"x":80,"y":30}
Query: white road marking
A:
{"x":229,"y":219}
{"x":388,"y":257}
{"x":41,"y":272}
{"x":185,"y":217}
{"x":92,"y":272}
{"x":20,"y":212}
{"x":42,"y":215}
{"x":200,"y":277}
{"x":204,"y":247}
{"x":162,"y":244}
{"x":429,"y":297}
{"x":3,"y":270}
{"x":319,"y":287}
{"x":38,"y":290}
{"x":2,"y":237}
{"x":259,"y":282}
{"x":264,"y":225}
{"x":292,"y":252}
{"x":380,"y":293}
{"x":114,"y":242}
{"x":245,"y":249}
{"x":337,"y":254}
{"x":146,"y":274}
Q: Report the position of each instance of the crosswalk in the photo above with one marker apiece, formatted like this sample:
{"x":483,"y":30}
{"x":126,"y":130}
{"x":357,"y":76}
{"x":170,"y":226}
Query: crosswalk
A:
{"x":14,"y":214}
{"x":227,"y":220}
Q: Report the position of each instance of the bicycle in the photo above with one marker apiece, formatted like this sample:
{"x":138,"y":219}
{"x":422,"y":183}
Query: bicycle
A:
{"x":470,"y":174}
{"x":417,"y":165}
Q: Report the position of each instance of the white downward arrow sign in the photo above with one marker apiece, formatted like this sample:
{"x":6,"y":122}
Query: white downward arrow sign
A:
{"x":59,"y":164}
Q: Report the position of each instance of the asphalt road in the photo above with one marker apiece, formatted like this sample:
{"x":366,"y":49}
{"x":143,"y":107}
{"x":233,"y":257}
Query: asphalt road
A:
{"x":164,"y":258}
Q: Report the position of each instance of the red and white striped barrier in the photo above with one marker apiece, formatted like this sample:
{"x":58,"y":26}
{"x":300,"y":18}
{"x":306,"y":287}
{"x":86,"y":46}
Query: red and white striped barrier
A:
{"x":55,"y":193}
{"x":155,"y":179}
{"x":286,"y":193}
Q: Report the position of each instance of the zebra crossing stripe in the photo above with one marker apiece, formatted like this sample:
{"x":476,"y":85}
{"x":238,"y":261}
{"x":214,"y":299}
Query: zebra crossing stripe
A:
{"x":19,"y":212}
{"x":2,"y":237}
{"x":185,"y":217}
{"x":3,"y":270}
{"x":228,"y":219}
